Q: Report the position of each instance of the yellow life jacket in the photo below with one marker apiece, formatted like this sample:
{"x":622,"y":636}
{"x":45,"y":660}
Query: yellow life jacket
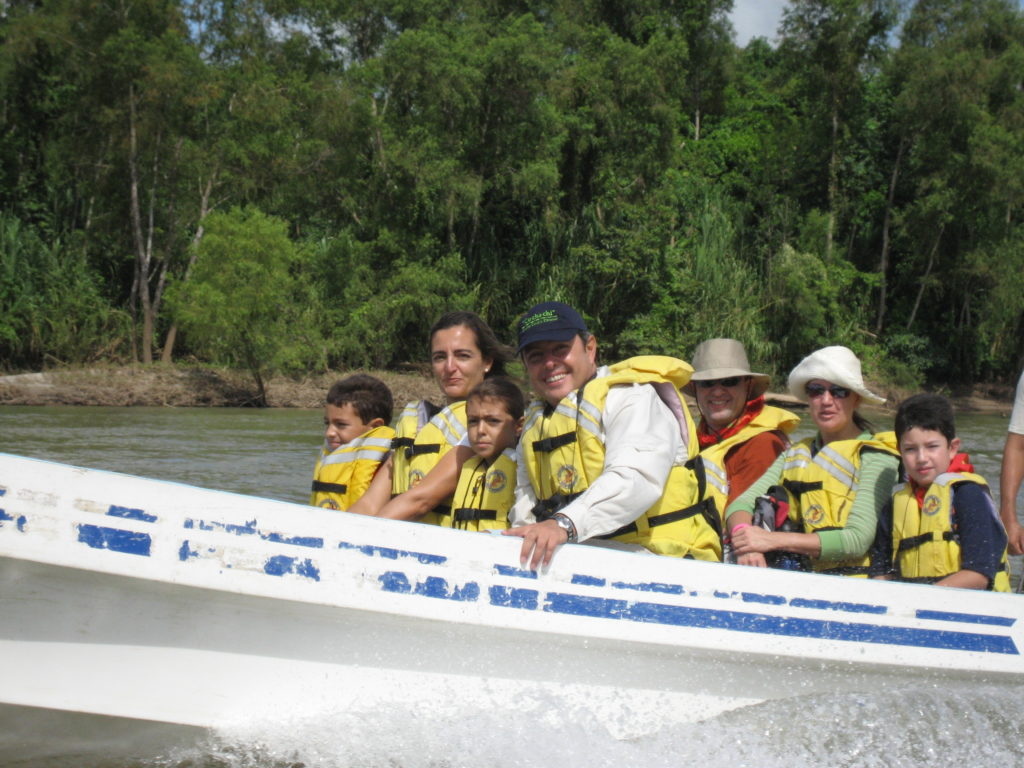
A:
{"x":564,"y":453}
{"x":343,"y":475}
{"x":925,"y":545}
{"x":484,"y":495}
{"x":411,"y":420}
{"x":821,"y":489}
{"x":438,"y":436}
{"x":770,"y":419}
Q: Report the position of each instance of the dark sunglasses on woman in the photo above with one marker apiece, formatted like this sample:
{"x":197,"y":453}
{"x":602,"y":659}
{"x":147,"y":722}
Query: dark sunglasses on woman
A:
{"x":817,"y":390}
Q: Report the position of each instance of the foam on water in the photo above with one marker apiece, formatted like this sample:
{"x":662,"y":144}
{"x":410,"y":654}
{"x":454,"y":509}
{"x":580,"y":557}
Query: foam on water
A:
{"x":926,"y":728}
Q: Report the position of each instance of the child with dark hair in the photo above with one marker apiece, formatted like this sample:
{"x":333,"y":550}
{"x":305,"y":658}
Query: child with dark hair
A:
{"x":357,"y":439}
{"x":941,"y":526}
{"x":487,"y":482}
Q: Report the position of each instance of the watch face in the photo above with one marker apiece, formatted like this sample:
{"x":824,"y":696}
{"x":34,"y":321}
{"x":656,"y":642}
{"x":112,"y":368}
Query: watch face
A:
{"x":566,"y":525}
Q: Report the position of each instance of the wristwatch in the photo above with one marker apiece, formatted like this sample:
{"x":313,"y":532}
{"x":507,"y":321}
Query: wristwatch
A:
{"x":567,"y":525}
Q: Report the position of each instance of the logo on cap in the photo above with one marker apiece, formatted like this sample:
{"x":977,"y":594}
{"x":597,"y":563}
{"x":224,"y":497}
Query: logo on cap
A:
{"x":547,"y":316}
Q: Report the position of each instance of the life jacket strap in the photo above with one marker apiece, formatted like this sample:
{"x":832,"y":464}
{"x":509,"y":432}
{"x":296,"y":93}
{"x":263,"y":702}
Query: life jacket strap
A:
{"x":705,"y":508}
{"x":798,"y":488}
{"x":468,"y":514}
{"x":545,"y":508}
{"x":422,"y":448}
{"x":321,"y":487}
{"x":921,"y":579}
{"x":846,"y":570}
{"x":916,"y":541}
{"x":549,"y":444}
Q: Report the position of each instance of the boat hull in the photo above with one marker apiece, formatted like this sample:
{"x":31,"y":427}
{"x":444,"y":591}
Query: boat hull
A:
{"x":133,"y":598}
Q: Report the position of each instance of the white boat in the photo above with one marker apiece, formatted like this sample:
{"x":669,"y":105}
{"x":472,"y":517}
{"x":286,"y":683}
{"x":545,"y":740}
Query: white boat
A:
{"x":131,"y":599}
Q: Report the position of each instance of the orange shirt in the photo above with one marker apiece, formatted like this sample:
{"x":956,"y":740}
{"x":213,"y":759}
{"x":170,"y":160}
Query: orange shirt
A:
{"x":748,"y":461}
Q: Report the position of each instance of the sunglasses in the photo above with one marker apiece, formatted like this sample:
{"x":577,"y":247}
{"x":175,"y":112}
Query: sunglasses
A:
{"x":732,"y":381}
{"x":817,"y":390}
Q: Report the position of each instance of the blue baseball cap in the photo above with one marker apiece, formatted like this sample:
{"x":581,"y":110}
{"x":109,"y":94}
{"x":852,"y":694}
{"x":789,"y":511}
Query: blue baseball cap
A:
{"x":549,"y":321}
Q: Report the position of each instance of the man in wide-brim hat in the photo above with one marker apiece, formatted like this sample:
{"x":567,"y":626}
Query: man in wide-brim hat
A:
{"x":739,"y":435}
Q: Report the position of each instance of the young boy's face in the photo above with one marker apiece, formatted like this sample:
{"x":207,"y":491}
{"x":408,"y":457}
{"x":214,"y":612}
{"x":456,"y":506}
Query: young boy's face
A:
{"x":492,"y":428}
{"x":342,"y":425}
{"x":926,"y":454}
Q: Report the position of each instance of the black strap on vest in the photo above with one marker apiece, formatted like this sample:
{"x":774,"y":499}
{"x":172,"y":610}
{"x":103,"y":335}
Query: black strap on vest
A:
{"x":545,"y":508}
{"x":468,"y":514}
{"x":916,"y":541}
{"x":411,"y":449}
{"x":402,"y":442}
{"x":798,"y":488}
{"x":321,"y":487}
{"x":846,"y":570}
{"x":705,"y":507}
{"x":549,"y":444}
{"x":921,"y":579}
{"x":422,"y":448}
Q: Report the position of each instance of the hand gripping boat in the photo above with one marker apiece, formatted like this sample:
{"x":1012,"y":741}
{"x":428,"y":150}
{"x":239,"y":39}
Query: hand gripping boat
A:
{"x":142,"y":599}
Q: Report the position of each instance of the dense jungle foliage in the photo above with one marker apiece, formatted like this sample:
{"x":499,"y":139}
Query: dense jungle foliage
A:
{"x":301,"y":184}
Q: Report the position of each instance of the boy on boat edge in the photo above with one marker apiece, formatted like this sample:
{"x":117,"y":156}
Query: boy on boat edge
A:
{"x":941,"y":526}
{"x":357,"y":440}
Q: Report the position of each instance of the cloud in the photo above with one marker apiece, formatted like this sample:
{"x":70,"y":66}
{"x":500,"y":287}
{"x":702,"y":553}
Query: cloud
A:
{"x":756,"y":18}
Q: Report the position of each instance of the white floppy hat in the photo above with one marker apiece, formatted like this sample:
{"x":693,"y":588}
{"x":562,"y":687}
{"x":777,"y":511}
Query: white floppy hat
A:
{"x":837,"y":365}
{"x":722,"y":359}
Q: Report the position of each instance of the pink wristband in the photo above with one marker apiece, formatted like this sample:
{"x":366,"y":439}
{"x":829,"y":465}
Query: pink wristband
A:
{"x":737,"y":527}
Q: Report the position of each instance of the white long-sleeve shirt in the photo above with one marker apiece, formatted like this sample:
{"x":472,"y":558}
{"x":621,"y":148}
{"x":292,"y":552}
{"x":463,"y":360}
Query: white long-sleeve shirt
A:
{"x":1017,"y":415}
{"x":642,"y":443}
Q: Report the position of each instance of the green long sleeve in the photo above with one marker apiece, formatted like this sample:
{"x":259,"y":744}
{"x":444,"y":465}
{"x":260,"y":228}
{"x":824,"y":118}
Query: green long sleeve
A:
{"x":876,"y":478}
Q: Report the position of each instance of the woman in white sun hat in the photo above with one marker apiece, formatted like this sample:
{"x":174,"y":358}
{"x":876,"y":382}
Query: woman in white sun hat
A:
{"x":831,"y":485}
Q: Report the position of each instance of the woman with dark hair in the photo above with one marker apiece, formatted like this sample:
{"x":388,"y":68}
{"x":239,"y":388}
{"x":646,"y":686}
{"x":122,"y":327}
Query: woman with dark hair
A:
{"x":424,"y":469}
{"x":832,"y":485}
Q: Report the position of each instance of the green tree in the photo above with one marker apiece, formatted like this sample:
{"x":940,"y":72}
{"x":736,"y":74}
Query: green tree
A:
{"x":831,"y":43}
{"x":239,"y":307}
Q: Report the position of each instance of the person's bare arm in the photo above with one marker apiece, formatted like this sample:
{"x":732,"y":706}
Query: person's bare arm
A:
{"x":965,"y":579}
{"x":432,"y":490}
{"x":1009,"y":484}
{"x":754,"y":539}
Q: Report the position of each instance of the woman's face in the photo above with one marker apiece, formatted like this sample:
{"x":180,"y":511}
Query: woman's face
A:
{"x":457,"y":362}
{"x":832,"y":414}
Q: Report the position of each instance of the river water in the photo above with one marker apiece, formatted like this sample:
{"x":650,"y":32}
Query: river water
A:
{"x":271,"y":453}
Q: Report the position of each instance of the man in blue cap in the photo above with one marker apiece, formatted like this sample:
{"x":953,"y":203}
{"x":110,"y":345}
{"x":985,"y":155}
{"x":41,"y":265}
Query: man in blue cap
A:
{"x":604,"y":452}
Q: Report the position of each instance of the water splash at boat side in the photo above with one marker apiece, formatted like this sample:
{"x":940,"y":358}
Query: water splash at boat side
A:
{"x":927,"y":728}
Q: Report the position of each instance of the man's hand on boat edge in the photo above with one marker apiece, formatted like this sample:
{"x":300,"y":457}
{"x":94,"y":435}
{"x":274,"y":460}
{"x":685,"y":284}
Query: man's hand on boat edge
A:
{"x":541,"y":540}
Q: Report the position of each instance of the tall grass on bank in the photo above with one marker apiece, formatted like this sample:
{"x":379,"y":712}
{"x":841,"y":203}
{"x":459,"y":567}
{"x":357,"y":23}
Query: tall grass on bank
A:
{"x":52,"y":307}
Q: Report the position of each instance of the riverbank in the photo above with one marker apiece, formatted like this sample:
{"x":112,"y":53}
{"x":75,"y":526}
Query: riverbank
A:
{"x":203,"y":386}
{"x":187,"y":386}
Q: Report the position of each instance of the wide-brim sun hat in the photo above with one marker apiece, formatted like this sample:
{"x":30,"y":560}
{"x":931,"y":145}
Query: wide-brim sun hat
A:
{"x":837,"y":365}
{"x":722,"y":359}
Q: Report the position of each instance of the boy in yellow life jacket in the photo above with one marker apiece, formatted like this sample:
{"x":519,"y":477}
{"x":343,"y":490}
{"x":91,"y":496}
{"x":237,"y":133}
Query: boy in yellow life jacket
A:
{"x":357,"y":440}
{"x":487,"y":482}
{"x":941,"y":526}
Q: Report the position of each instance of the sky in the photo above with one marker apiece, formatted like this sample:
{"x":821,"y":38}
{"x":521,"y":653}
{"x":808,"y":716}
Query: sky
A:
{"x":760,"y":18}
{"x":756,"y":18}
